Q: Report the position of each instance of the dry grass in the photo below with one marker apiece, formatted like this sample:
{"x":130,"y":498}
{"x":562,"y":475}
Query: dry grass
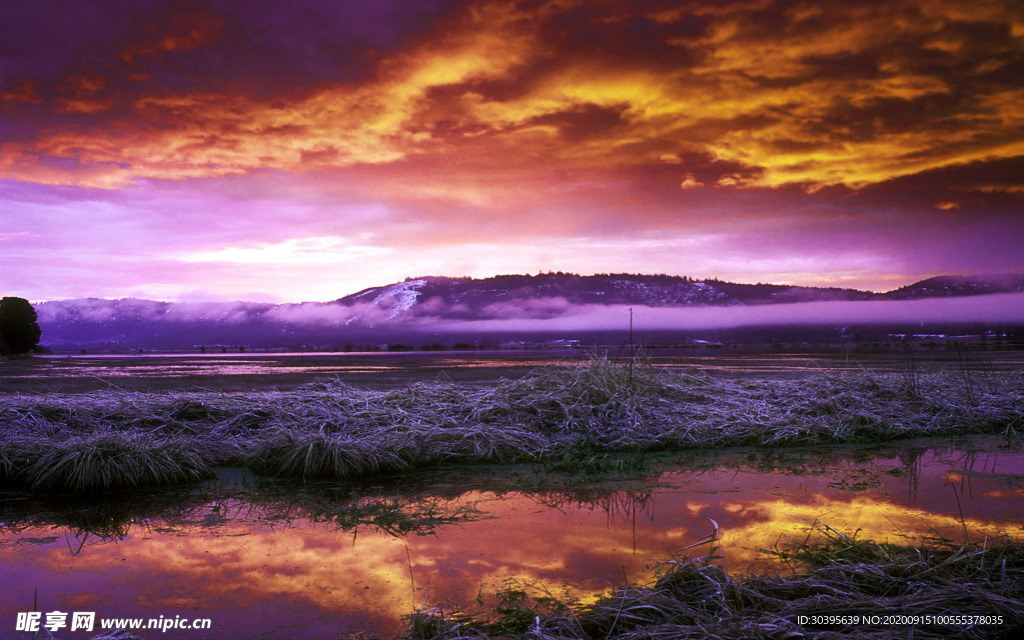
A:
{"x":840,"y":576}
{"x":115,"y":460}
{"x":302,"y":454}
{"x":329,"y":429}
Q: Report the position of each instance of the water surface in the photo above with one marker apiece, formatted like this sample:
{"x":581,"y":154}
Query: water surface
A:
{"x":73,"y":373}
{"x":276,"y":559}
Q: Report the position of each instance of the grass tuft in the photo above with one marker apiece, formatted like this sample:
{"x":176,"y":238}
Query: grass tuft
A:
{"x":302,"y":454}
{"x":104,"y":461}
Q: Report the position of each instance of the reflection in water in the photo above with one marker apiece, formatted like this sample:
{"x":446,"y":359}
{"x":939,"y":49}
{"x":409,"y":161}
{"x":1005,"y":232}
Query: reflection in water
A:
{"x":210,"y":366}
{"x":742,"y":361}
{"x":280,"y":559}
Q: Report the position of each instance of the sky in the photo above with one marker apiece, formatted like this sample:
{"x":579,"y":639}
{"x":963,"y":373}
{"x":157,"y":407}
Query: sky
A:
{"x":301,"y":151}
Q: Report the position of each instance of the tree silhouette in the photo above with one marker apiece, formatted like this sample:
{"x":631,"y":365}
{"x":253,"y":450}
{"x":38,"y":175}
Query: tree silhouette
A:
{"x":19,"y":331}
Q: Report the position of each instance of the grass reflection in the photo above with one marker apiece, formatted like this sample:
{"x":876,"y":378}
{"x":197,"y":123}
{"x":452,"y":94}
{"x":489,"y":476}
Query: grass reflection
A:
{"x":354,"y":548}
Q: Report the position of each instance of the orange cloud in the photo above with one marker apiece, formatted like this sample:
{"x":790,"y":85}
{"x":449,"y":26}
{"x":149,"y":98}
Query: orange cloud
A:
{"x":180,"y":33}
{"x":808,"y":95}
{"x":83,"y":94}
{"x":689,"y":182}
{"x":22,"y":91}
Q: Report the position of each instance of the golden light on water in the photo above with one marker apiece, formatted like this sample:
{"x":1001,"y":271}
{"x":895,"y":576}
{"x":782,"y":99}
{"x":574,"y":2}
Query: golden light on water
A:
{"x":221,"y":558}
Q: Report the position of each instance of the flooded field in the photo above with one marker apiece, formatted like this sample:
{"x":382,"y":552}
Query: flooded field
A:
{"x":250,"y":371}
{"x":282,"y":559}
{"x":627,"y":467}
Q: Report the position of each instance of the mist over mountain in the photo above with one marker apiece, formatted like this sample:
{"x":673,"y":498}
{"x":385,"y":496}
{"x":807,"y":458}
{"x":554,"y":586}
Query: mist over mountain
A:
{"x":513,"y":296}
{"x":442,"y":309}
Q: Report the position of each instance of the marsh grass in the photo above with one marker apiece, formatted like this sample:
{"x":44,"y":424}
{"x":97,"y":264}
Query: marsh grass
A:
{"x":115,"y":460}
{"x":300,"y":454}
{"x":574,"y":416}
{"x":834,"y":574}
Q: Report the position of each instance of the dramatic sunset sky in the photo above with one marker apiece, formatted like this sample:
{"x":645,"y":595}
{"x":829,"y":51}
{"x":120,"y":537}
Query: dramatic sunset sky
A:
{"x":303,"y":150}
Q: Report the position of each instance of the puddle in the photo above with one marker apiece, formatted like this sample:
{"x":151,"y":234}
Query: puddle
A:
{"x":278,"y":559}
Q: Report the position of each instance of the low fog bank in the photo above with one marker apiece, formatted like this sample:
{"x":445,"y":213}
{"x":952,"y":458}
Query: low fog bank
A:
{"x":99,"y":311}
{"x":991,"y":309}
{"x":136,"y":325}
{"x":542,"y":314}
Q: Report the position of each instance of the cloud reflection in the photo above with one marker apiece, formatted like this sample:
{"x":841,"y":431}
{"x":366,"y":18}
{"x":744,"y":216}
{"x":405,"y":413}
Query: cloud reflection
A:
{"x":253,"y":572}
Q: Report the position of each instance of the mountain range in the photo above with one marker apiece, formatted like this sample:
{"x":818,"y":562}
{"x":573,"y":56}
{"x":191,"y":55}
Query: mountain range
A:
{"x":419,"y":308}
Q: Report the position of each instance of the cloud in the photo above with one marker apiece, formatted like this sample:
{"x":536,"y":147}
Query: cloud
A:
{"x":174,"y":32}
{"x":318,"y":314}
{"x":1000,"y":308}
{"x":323,"y":250}
{"x":844,"y":94}
{"x":689,"y":182}
{"x":203,"y":138}
{"x":528,"y":308}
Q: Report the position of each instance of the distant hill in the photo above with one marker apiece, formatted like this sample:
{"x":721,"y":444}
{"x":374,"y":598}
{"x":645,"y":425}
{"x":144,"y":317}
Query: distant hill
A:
{"x":523,"y":295}
{"x":949,"y":286}
{"x":420,"y":307}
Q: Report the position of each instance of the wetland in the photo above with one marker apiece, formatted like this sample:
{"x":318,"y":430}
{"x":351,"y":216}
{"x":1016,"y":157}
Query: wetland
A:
{"x":502,"y":497}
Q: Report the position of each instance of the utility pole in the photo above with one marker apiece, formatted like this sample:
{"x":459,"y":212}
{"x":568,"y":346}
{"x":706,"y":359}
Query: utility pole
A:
{"x":631,"y":353}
